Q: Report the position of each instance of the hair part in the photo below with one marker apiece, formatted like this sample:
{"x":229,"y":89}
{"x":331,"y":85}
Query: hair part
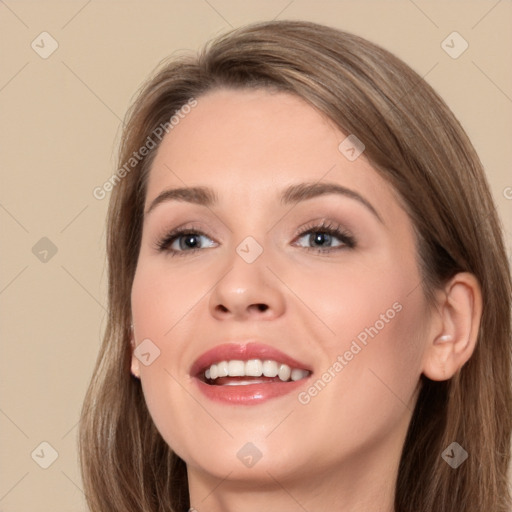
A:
{"x":414,"y":141}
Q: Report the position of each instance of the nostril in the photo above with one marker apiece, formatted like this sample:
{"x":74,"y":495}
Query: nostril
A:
{"x":260,"y":307}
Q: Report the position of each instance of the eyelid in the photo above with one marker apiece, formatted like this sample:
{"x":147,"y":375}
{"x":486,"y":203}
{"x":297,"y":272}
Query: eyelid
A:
{"x":326,"y":225}
{"x":163,"y":241}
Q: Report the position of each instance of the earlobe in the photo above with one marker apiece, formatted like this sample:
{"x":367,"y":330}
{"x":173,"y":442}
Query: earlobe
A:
{"x":135,"y":368}
{"x":454,"y":339}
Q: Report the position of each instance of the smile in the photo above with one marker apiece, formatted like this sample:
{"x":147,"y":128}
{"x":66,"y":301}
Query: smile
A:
{"x":247,"y":374}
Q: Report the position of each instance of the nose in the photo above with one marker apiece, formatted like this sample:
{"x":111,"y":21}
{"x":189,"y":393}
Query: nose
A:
{"x":247,"y":291}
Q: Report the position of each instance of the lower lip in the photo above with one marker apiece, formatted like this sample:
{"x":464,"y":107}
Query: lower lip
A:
{"x":250,"y":394}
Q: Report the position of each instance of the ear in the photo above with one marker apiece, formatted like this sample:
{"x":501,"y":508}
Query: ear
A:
{"x":135,"y":368}
{"x":454,"y":327}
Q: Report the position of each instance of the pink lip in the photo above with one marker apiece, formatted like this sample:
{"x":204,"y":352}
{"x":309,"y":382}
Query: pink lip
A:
{"x":250,"y":394}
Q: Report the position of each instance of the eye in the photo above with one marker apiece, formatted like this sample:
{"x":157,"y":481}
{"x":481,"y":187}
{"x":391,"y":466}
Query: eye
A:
{"x":327,"y":237}
{"x":182,"y":240}
{"x":322,"y":238}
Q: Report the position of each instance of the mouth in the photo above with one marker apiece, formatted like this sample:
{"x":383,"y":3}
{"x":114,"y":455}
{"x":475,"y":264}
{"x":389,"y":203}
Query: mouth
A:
{"x":247,"y":374}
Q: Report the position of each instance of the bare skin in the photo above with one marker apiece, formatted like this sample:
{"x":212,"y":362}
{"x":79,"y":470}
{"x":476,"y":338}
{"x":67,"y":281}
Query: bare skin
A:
{"x":309,"y":296}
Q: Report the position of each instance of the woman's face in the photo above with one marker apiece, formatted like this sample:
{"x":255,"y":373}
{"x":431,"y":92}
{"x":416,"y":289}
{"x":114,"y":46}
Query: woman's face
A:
{"x":302,"y":263}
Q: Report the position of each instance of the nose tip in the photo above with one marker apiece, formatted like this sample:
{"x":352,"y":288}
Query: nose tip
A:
{"x":248,"y":290}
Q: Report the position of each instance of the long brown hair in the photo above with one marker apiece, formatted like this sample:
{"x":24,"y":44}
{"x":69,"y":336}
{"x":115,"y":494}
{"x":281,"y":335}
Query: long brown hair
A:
{"x":414,"y":141}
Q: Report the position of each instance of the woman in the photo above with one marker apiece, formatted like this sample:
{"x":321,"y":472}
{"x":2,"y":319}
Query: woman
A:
{"x":309,"y":296}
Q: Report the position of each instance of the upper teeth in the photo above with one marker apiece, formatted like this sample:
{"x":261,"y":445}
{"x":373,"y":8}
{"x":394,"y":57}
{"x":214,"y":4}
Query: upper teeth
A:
{"x":254,"y":368}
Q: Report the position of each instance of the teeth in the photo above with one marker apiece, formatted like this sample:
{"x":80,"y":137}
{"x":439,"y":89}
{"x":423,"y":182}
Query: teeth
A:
{"x":235,"y":368}
{"x":254,"y":368}
{"x":284,"y":372}
{"x":222,"y":369}
{"x":270,"y":369}
{"x":299,"y":374}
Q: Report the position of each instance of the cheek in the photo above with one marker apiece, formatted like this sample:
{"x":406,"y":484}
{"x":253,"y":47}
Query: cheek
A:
{"x":371,"y":361}
{"x":163,"y":310}
{"x":384,"y":381}
{"x":361,"y":296}
{"x":366,"y":390}
{"x":161,"y":299}
{"x":393,"y":348}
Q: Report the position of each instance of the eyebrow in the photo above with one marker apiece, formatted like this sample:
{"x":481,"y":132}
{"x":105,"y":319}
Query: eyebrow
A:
{"x":205,"y":196}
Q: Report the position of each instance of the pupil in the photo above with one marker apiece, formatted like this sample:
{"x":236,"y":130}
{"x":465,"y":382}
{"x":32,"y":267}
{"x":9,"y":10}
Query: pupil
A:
{"x":191,"y":241}
{"x":321,"y":238}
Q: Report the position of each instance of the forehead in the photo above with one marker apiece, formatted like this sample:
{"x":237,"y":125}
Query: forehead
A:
{"x":250,"y":143}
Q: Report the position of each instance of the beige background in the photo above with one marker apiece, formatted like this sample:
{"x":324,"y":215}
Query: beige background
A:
{"x":60,"y":121}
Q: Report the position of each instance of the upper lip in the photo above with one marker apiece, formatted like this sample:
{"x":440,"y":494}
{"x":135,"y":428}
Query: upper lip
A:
{"x":243,"y":351}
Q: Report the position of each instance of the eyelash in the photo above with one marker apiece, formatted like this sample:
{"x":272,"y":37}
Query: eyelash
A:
{"x":325,"y":227}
